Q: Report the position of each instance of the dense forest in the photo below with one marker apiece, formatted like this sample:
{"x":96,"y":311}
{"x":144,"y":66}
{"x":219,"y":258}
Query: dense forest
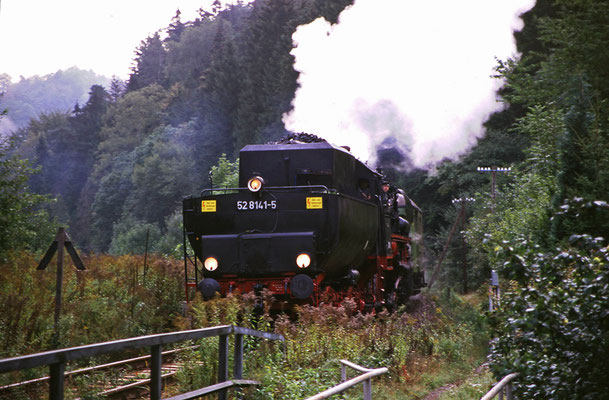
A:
{"x":33,"y":96}
{"x":117,"y":166}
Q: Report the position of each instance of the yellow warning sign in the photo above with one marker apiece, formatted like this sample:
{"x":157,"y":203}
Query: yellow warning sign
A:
{"x":315,"y":203}
{"x":208,"y":206}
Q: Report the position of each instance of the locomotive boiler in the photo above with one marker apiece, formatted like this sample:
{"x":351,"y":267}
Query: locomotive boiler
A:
{"x":310,"y":223}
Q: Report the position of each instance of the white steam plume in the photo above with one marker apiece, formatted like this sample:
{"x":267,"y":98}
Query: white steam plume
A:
{"x":417,"y":71}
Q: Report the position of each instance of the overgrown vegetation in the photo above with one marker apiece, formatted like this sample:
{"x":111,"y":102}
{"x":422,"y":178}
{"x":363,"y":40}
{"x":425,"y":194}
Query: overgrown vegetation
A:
{"x":552,"y":325}
{"x":548,"y":233}
{"x":116,"y":297}
{"x":441,"y":339}
{"x":440,"y":334}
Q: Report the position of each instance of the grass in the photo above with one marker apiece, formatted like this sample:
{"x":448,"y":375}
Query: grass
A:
{"x":474,"y":387}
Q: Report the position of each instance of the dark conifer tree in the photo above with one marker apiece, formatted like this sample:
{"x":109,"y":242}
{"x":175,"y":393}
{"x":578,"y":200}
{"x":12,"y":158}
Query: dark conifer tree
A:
{"x":175,"y":29}
{"x":40,"y":182}
{"x":117,"y":88}
{"x":149,"y":64}
{"x":88,"y":119}
{"x":222,"y":90}
{"x":270,"y":81}
{"x":330,"y":9}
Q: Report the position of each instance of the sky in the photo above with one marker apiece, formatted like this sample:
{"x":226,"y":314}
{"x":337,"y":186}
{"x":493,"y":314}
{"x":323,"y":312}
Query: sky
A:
{"x":40,"y":37}
{"x":409,"y":74}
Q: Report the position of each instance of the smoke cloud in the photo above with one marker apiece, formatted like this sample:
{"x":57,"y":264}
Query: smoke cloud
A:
{"x":416,"y":74}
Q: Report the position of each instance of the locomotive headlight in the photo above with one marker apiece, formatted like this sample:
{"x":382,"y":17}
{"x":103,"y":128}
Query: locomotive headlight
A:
{"x":211,"y":264}
{"x":255,"y":184}
{"x":303,"y":260}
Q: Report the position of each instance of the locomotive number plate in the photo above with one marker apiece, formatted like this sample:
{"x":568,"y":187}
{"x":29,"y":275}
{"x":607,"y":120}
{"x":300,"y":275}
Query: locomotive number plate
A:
{"x":254,"y":205}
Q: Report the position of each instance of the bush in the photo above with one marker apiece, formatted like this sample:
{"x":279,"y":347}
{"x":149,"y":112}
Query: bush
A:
{"x":553,"y":324}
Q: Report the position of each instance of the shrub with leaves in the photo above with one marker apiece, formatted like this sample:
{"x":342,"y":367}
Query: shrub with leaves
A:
{"x":23,"y":221}
{"x":553,"y":322}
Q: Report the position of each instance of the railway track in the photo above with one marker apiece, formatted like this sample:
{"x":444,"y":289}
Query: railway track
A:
{"x":132,"y":383}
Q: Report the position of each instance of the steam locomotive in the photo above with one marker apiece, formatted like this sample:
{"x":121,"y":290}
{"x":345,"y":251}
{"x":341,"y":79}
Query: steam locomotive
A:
{"x":310,"y":223}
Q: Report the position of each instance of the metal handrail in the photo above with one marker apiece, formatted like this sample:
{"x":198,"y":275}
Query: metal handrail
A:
{"x":506,"y":383}
{"x":293,"y":188}
{"x":366,"y":378}
{"x":57,"y":359}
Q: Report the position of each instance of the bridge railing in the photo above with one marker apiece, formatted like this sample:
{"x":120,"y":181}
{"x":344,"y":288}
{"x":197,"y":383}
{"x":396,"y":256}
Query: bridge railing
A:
{"x":504,"y":385}
{"x":366,"y":378}
{"x":57,"y":359}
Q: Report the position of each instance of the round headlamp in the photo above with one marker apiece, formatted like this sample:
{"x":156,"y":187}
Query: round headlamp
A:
{"x":303,"y":260}
{"x":211,"y":264}
{"x":255,"y":184}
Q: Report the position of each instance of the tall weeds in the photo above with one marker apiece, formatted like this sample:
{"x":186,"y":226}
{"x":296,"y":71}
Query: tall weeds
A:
{"x":440,"y":332}
{"x":113,"y":299}
{"x":108,"y":301}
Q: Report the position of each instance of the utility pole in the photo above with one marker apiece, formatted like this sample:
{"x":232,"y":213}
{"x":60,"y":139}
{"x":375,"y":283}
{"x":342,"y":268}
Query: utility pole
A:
{"x":493,"y":171}
{"x":464,"y":200}
{"x":460,"y":217}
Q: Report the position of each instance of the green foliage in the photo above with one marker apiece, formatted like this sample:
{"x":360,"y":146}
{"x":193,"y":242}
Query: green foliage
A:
{"x":566,"y":92}
{"x":552,"y":323}
{"x":135,"y":237}
{"x":565,"y":121}
{"x":23,"y":222}
{"x":225,"y":174}
{"x":520,"y":210}
{"x":160,"y":168}
{"x":131,"y":119}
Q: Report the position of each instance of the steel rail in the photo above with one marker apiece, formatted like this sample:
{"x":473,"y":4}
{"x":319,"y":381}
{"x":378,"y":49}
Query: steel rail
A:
{"x":133,"y":385}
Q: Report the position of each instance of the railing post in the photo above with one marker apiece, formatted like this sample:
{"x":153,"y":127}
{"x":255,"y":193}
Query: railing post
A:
{"x":368,"y":389}
{"x":223,"y":364}
{"x":500,"y":395}
{"x":238,"y":357}
{"x":57,"y":381}
{"x":155,"y":372}
{"x":343,"y":372}
{"x":508,"y":391}
{"x":238,"y":362}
